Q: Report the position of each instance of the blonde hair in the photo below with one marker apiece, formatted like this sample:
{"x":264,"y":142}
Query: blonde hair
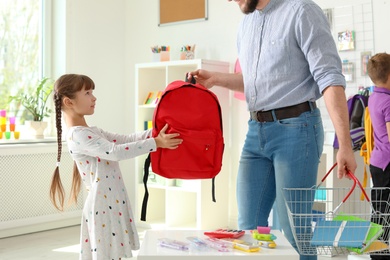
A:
{"x":66,"y":86}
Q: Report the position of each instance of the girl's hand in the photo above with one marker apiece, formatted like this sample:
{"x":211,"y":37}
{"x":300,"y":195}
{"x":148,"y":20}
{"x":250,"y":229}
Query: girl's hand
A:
{"x":169,"y":141}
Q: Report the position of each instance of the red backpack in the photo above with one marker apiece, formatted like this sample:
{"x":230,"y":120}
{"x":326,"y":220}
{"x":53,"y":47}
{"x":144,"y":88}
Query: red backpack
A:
{"x":193,"y":111}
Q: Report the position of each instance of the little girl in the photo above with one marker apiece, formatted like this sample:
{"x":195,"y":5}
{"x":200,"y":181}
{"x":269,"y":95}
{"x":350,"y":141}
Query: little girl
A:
{"x":107,"y":230}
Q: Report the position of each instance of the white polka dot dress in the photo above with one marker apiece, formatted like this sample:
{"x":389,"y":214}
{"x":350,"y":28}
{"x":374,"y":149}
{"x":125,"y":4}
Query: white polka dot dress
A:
{"x":107,"y":230}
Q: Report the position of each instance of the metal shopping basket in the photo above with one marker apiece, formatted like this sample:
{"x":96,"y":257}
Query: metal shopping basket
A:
{"x":339,"y":222}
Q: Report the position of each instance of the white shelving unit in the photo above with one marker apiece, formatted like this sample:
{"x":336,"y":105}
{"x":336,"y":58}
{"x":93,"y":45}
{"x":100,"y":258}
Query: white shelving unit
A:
{"x":188,"y":205}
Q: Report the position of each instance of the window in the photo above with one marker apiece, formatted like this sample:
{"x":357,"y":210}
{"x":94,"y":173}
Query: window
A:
{"x":22,"y":45}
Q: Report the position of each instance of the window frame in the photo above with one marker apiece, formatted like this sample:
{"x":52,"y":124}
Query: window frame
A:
{"x":45,"y":67}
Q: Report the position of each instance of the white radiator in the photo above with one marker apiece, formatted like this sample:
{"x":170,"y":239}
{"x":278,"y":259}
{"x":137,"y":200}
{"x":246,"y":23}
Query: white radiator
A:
{"x":25,"y":176}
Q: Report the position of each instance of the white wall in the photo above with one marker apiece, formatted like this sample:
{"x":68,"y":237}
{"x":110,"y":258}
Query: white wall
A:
{"x":215,"y":39}
{"x":95,"y":46}
{"x":91,"y":39}
{"x":381,"y":9}
{"x":105,"y":39}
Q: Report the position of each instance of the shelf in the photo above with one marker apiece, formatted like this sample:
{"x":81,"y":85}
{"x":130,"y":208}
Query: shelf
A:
{"x":186,"y":188}
{"x":147,"y":106}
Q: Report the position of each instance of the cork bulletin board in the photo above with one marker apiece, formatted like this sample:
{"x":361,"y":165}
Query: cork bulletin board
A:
{"x":174,"y":11}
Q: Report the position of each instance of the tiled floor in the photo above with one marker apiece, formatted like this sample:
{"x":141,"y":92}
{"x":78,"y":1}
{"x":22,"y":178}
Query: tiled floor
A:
{"x":58,"y":244}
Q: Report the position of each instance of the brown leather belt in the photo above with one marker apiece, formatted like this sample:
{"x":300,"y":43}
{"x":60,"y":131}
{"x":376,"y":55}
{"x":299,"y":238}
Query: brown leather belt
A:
{"x":283,"y":112}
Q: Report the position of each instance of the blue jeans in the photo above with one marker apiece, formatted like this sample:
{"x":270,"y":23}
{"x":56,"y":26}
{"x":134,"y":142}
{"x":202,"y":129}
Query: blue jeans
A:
{"x":277,"y":155}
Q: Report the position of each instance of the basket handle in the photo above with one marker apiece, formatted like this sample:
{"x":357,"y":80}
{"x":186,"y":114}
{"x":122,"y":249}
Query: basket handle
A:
{"x":355,"y":181}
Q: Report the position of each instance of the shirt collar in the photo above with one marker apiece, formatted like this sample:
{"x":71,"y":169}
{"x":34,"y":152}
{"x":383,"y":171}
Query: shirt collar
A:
{"x":381,"y":90}
{"x":270,"y":4}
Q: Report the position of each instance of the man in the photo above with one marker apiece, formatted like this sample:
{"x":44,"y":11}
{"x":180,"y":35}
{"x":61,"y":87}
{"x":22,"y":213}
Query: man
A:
{"x":289,"y":60}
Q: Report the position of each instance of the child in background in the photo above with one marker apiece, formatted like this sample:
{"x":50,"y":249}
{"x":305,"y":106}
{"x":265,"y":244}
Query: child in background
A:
{"x":379,"y":107}
{"x":107,"y":230}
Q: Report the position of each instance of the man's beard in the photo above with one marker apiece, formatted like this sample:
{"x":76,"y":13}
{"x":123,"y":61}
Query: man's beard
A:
{"x":250,"y":6}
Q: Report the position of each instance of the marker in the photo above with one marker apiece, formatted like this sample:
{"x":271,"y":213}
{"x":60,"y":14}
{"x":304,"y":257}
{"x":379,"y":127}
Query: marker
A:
{"x":267,"y":244}
{"x":173,"y":244}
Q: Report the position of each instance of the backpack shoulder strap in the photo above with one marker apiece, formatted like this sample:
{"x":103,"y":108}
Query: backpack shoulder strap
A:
{"x":367,"y":146}
{"x":146,"y":195}
{"x":369,"y":134}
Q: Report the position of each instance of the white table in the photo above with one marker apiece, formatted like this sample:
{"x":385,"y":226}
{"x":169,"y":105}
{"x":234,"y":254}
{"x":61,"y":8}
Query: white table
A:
{"x":151,"y":251}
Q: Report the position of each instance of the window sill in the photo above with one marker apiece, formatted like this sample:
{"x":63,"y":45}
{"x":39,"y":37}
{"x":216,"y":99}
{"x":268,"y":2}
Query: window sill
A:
{"x":27,"y":141}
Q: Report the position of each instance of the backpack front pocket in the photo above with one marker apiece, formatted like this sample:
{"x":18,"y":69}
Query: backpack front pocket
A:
{"x":196,"y":153}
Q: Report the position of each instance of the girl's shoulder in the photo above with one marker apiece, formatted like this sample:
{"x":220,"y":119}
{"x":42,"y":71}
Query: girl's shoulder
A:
{"x":81,"y":131}
{"x":83,"y":128}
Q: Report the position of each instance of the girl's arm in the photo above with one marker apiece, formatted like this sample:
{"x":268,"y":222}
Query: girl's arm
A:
{"x":86,"y":141}
{"x":121,"y":138}
{"x":388,"y":130}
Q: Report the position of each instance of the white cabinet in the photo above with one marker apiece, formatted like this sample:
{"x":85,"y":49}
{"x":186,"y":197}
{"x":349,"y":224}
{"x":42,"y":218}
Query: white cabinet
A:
{"x":184,"y":203}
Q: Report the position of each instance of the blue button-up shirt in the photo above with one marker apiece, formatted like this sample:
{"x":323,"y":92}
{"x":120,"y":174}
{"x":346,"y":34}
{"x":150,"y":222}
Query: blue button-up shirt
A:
{"x":287,"y":54}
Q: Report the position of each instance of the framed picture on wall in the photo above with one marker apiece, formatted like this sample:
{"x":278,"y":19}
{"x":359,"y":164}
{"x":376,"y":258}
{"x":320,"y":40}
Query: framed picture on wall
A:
{"x":348,"y":71}
{"x":329,"y":15}
{"x":365,"y":56}
{"x":346,"y":40}
{"x":174,"y":11}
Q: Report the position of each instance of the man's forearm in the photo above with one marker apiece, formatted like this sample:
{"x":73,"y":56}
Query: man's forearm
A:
{"x":336,"y":105}
{"x":230,"y":81}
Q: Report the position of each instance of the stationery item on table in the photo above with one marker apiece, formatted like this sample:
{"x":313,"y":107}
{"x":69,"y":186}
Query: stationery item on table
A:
{"x":198,"y":243}
{"x":263,"y":237}
{"x":267,"y":244}
{"x":209,"y":243}
{"x":242,"y":245}
{"x":218,"y":244}
{"x":266,"y":239}
{"x":173,"y":244}
{"x":225,"y":233}
{"x":263,"y":230}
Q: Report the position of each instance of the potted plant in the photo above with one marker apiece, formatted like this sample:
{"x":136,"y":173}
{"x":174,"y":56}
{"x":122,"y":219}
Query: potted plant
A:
{"x":34,"y":102}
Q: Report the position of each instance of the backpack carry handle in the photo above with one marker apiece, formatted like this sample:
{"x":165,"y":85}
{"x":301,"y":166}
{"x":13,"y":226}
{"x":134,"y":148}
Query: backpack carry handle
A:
{"x":193,"y":81}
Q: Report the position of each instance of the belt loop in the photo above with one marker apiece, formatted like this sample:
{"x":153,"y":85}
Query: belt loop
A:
{"x":273,"y":115}
{"x":311,"y":105}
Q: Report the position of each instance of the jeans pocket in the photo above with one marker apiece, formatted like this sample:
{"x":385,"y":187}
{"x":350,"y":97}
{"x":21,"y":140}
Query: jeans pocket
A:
{"x":297,"y":122}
